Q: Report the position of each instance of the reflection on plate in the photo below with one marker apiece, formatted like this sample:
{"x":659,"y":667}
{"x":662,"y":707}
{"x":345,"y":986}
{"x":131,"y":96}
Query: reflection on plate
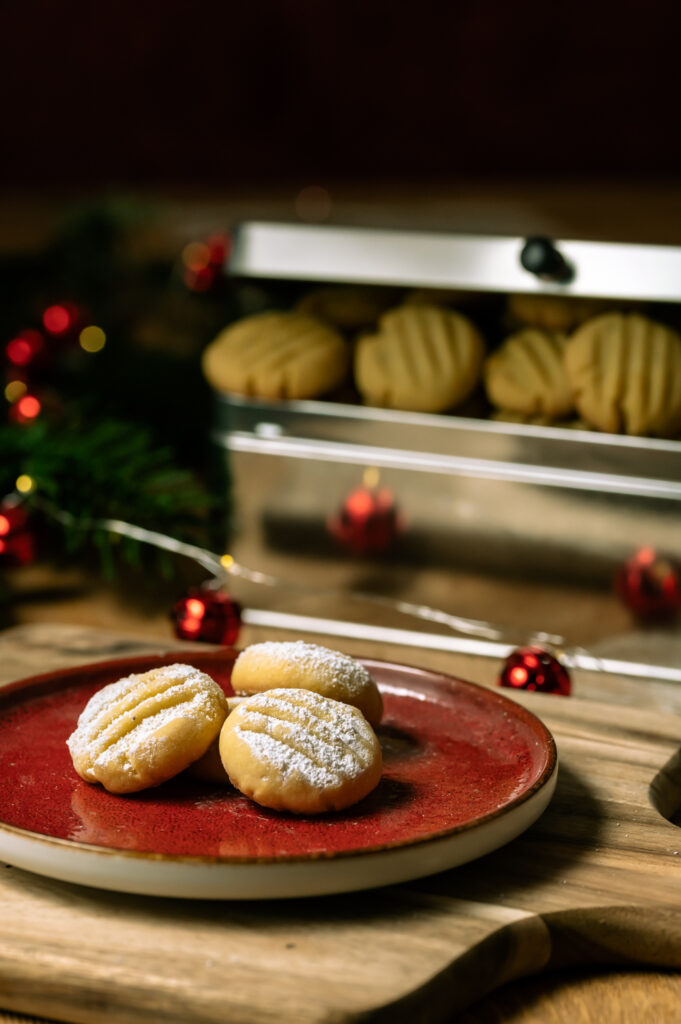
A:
{"x":465,"y":771}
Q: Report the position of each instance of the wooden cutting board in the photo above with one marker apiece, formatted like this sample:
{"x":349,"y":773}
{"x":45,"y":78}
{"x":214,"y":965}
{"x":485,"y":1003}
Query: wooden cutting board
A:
{"x":596,"y":880}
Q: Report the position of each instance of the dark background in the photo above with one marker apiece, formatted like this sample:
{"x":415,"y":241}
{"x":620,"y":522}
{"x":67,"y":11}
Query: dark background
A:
{"x":175,"y":93}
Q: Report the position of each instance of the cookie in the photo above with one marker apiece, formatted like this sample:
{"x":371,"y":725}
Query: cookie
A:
{"x":625,"y":373}
{"x":527,"y":375}
{"x":423,"y":359}
{"x":277,"y":355}
{"x":295,"y":750}
{"x":349,"y":308}
{"x":551,"y":312}
{"x":144,"y":729}
{"x":307,"y":666}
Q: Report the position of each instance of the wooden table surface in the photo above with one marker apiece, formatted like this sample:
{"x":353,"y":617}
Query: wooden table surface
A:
{"x":569,"y":995}
{"x":73,"y":600}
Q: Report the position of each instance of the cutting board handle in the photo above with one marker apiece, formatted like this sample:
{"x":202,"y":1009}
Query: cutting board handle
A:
{"x":665,"y":790}
{"x":645,"y":936}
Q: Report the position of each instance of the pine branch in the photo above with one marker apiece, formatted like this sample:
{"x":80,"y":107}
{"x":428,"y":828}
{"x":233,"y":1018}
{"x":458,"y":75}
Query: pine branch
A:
{"x":107,"y":469}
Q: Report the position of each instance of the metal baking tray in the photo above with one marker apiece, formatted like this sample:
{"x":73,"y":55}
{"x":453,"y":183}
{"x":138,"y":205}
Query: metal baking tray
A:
{"x":471,"y":492}
{"x":548,"y":499}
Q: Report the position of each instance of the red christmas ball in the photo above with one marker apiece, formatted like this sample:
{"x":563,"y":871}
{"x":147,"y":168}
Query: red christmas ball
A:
{"x":649,"y":583}
{"x":209,"y":615}
{"x":12,"y":518}
{"x":533,"y":668}
{"x":204,"y":263}
{"x":368,"y":521}
{"x":18,"y":550}
{"x":218,"y":249}
{"x":17,"y":543}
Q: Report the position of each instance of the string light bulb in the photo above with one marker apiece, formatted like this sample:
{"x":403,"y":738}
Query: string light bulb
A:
{"x":24,"y":483}
{"x":57,"y":319}
{"x":14,"y":390}
{"x":92,"y":338}
{"x":25,"y":409}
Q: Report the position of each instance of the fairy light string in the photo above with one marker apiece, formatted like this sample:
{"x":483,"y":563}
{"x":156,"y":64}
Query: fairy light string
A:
{"x":224,"y":566}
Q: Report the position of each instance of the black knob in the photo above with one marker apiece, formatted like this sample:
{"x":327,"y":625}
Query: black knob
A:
{"x":540,"y":257}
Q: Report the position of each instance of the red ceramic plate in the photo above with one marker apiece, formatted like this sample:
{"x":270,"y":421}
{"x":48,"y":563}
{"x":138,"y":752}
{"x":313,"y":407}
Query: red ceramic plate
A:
{"x":465,"y":770}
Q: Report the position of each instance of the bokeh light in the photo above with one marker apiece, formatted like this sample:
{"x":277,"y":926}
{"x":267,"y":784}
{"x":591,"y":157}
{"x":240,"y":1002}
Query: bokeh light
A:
{"x":19,"y":351}
{"x":191,"y":626}
{"x":25,"y":409}
{"x":14,"y":389}
{"x":24,"y":483}
{"x":360,"y":503}
{"x":195,"y":609}
{"x":23,"y":348}
{"x":57,"y":319}
{"x":519,"y":675}
{"x":92,"y":338}
{"x":196,"y":256}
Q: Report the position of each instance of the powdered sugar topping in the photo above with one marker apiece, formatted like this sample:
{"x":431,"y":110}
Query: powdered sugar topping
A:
{"x":126,"y":714}
{"x":306,"y":736}
{"x":337,"y":669}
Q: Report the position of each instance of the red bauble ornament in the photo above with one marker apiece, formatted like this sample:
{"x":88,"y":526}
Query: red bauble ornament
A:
{"x":18,"y":550}
{"x":209,"y":615}
{"x":368,"y":521}
{"x":204,"y":262}
{"x":649,"y":583}
{"x":17,"y":544}
{"x":533,"y":668}
{"x":218,"y":248}
{"x":12,"y":518}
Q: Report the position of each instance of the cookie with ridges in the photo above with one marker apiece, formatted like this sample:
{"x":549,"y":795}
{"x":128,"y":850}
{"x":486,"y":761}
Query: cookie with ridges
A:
{"x":527,"y":375}
{"x":294,"y":750}
{"x":349,"y":308}
{"x":560,"y":313}
{"x":625,"y":373}
{"x":306,"y":666}
{"x":423,"y":359}
{"x":277,"y":355}
{"x":146,"y":728}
